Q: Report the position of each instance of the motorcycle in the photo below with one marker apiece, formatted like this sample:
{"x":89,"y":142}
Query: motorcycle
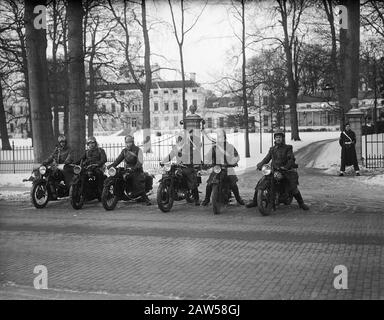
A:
{"x":115,"y":187}
{"x":174,"y":187}
{"x":84,"y":185}
{"x":43,"y":180}
{"x":221,"y":191}
{"x":271,"y":191}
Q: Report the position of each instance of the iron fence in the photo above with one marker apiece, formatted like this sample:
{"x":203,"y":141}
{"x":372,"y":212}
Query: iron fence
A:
{"x":373,"y":145}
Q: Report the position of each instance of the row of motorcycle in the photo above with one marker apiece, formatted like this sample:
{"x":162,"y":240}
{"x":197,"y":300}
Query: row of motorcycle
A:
{"x":49,"y":180}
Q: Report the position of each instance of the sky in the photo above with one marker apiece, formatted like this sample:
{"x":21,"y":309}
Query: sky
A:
{"x":208,"y":46}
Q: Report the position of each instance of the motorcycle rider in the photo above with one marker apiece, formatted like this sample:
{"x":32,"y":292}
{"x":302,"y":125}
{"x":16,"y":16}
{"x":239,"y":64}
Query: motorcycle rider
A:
{"x":133,"y":157}
{"x":61,"y":155}
{"x":189,"y":172}
{"x":95,"y":155}
{"x":283,"y":158}
{"x":230,"y":157}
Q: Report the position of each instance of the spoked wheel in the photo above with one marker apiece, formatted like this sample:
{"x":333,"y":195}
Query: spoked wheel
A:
{"x":164,"y":197}
{"x":108,"y":197}
{"x":263,"y":203}
{"x":217,"y":201}
{"x":39,"y":195}
{"x":76,"y":198}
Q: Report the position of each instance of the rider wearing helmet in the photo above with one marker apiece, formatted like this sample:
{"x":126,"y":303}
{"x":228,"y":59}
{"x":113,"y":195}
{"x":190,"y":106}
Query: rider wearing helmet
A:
{"x":133,"y":158}
{"x":222,"y":152}
{"x":189,"y":172}
{"x":61,"y":155}
{"x":283,"y":158}
{"x":95,"y":155}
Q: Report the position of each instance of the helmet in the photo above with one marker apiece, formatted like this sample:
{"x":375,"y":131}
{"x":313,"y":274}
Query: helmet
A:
{"x":61,"y":138}
{"x":91,"y":139}
{"x":279,"y":133}
{"x":129,"y":137}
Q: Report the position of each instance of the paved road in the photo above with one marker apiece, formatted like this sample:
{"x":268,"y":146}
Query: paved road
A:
{"x":139,"y":252}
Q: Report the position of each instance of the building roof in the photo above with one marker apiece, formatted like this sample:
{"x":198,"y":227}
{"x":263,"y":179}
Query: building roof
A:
{"x":177,"y":84}
{"x":223,"y":102}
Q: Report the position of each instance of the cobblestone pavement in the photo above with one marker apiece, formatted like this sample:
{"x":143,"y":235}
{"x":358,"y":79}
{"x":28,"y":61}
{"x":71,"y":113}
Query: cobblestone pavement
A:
{"x":138,"y":251}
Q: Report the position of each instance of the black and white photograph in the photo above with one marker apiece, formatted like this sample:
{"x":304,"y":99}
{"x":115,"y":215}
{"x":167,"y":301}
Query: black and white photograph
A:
{"x":207,"y":151}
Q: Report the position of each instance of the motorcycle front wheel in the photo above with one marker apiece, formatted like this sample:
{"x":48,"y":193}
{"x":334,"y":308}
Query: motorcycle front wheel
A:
{"x":39,"y":195}
{"x":75,"y":196}
{"x":216,"y":199}
{"x":108,"y":197}
{"x":164,"y":197}
{"x":263,"y":203}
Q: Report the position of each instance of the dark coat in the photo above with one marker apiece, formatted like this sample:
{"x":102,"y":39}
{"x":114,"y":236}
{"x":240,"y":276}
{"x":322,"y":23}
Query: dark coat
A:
{"x":282,"y":156}
{"x":133,"y":158}
{"x":348,"y":151}
{"x":94,"y":156}
{"x":60,"y":156}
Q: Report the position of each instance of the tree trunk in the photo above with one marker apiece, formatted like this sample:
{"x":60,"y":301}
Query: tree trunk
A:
{"x":244,"y":83}
{"x":36,"y":45}
{"x":5,"y":145}
{"x":148,"y":81}
{"x":91,"y":97}
{"x":352,"y":43}
{"x":55,"y":106}
{"x":76,"y":79}
{"x":66,"y":80}
{"x":183,"y":82}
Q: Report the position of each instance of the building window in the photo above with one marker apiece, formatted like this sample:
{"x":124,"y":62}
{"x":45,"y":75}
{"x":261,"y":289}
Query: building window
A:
{"x":166,"y":119}
{"x":134,"y":122}
{"x":175,"y":91}
{"x":221,"y":122}
{"x":10,"y":110}
{"x":104,"y":107}
{"x":309,"y":106}
{"x":166,"y":106}
{"x":156,"y":122}
{"x":265,"y":121}
{"x":156,"y":106}
{"x":209,"y":122}
{"x":194,"y":90}
{"x":11,"y":127}
{"x":122,"y":93}
{"x":128,"y":121}
{"x":186,"y":103}
{"x":113,"y":107}
{"x":265,"y":100}
{"x":176,"y":121}
{"x":165,"y":91}
{"x":186,"y":90}
{"x":155,"y":92}
{"x":175,"y":106}
{"x":194,"y":102}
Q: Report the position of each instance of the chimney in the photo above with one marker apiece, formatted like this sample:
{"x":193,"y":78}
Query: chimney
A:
{"x":192,"y":76}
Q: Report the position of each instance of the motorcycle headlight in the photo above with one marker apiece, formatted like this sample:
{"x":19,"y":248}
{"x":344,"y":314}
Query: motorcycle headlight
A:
{"x":266,"y":170}
{"x":216,"y":169}
{"x":112,"y":171}
{"x":76,"y":169}
{"x":43,"y":170}
{"x":167,"y":167}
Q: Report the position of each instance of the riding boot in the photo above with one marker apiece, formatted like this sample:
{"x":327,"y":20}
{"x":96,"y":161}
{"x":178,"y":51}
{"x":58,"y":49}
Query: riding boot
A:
{"x":53,"y":192}
{"x":300,"y":201}
{"x":253,"y":202}
{"x":145,"y":199}
{"x":208,"y":191}
{"x":235,"y":190}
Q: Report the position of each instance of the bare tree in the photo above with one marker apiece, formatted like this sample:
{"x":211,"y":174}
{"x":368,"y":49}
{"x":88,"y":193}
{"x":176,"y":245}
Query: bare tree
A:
{"x":291,"y":12}
{"x":137,"y":74}
{"x":76,"y":78}
{"x":36,"y":44}
{"x":5,"y":145}
{"x":180,"y":34}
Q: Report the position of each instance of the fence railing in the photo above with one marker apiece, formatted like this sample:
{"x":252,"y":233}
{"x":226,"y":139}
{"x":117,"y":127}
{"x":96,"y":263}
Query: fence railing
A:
{"x":20,"y":159}
{"x":373,"y":149}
